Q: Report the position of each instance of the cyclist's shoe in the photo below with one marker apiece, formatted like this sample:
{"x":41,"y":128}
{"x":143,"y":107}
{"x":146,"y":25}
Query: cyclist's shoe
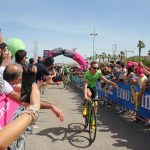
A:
{"x":93,"y":124}
{"x":84,"y":111}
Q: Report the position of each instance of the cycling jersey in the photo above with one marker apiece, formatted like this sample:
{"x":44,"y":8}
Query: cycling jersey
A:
{"x":91,"y":79}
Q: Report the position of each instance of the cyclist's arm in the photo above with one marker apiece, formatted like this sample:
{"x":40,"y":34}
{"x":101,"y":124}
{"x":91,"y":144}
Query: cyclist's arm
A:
{"x":85,"y":90}
{"x":108,"y":81}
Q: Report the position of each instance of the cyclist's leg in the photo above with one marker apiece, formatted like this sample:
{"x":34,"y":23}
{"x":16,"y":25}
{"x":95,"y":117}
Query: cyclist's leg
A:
{"x":84,"y":106}
{"x":93,"y":91}
{"x":89,"y":93}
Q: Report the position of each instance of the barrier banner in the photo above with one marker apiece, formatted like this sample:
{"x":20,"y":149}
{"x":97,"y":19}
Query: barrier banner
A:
{"x":127,"y":95}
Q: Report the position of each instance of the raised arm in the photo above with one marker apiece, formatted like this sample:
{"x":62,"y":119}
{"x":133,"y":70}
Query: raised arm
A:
{"x":14,"y":129}
{"x":108,"y":81}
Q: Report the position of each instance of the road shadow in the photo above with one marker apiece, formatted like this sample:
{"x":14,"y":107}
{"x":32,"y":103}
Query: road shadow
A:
{"x":126,"y":134}
{"x":74,"y":134}
{"x":78,"y":98}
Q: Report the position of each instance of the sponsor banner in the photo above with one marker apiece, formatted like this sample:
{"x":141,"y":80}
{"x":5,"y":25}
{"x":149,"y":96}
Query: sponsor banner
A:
{"x":125,"y":95}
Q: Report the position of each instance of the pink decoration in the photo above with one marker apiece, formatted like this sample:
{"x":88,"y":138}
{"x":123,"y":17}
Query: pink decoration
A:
{"x":7,"y":109}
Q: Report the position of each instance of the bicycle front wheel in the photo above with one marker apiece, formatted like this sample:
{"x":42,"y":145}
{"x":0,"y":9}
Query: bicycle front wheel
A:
{"x":92,"y":126}
{"x":86,"y":122}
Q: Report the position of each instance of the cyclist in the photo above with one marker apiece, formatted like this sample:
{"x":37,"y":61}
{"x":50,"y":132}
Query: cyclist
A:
{"x":89,"y":83}
{"x":65,"y":75}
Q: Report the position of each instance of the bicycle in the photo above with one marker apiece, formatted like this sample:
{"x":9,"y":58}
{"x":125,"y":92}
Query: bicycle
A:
{"x":65,"y":81}
{"x":90,"y":119}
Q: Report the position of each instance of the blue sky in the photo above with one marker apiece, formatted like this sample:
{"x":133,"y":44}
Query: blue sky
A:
{"x":69,"y":23}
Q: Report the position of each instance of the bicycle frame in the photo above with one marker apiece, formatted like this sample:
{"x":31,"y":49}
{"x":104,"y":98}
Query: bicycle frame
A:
{"x":91,"y":114}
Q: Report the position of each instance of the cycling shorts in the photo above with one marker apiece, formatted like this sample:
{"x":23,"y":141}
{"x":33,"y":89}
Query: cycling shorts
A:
{"x":93,"y":91}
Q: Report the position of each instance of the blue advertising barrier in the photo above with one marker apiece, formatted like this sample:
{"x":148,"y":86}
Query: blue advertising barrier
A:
{"x":125,"y":95}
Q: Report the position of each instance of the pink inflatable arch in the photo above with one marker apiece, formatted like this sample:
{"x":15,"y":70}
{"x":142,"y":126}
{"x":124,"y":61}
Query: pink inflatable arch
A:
{"x":68,"y":53}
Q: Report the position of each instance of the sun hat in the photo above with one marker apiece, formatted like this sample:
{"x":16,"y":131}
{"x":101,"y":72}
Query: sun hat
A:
{"x":129,"y":64}
{"x":139,"y":71}
{"x":135,"y":64}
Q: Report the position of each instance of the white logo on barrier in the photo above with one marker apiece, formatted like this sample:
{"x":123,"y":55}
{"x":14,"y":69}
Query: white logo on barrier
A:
{"x":123,"y":94}
{"x":4,"y":109}
{"x":110,"y":89}
{"x":146,"y":102}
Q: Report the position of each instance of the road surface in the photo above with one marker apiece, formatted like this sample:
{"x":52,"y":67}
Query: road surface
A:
{"x":114,"y":132}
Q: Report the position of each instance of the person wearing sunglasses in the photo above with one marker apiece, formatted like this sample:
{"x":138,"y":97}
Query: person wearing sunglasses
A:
{"x":90,"y":79}
{"x":5,"y":59}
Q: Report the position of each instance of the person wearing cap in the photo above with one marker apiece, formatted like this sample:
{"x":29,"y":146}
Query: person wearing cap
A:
{"x":145,"y":68}
{"x":141,"y":76}
{"x":142,"y":80}
{"x":131,"y":76}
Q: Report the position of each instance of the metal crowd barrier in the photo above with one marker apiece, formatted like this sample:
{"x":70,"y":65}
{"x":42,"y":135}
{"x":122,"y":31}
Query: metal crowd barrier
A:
{"x":19,"y":144}
{"x":125,"y":95}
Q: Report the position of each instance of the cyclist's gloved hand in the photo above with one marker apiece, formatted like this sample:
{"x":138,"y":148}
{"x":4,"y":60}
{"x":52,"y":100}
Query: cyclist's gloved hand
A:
{"x":87,"y":98}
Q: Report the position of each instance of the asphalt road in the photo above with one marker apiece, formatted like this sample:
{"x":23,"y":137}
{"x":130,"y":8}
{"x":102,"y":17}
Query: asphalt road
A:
{"x":114,"y":132}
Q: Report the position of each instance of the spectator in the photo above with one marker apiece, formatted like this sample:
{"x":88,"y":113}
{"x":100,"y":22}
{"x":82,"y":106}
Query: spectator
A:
{"x":43,"y":72}
{"x":21,"y":58}
{"x":15,"y":128}
{"x":40,"y":59}
{"x":12,"y":74}
{"x":131,"y":76}
{"x":145,"y":68}
{"x":5,"y":58}
{"x":123,"y":71}
{"x":142,"y":80}
{"x":31,"y":61}
{"x":141,"y":76}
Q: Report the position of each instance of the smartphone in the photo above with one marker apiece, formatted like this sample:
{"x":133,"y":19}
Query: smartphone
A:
{"x":28,"y":78}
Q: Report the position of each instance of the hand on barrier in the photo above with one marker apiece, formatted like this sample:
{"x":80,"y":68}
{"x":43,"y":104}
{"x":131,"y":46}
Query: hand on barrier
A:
{"x":114,"y":84}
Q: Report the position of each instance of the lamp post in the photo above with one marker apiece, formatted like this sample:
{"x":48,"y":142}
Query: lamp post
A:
{"x":93,"y":34}
{"x":114,"y":47}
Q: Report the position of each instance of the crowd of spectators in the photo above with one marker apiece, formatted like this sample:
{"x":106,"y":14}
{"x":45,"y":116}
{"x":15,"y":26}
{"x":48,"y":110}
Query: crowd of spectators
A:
{"x":129,"y":73}
{"x":11,"y":70}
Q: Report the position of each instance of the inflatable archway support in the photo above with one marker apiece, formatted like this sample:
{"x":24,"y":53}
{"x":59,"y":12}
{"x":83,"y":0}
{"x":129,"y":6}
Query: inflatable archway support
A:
{"x":68,"y":53}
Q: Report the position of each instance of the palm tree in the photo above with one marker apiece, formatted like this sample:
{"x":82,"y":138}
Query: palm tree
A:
{"x":140,"y":46}
{"x":103,"y":56}
{"x":96,"y":57}
{"x":108,"y":57}
{"x":114,"y":57}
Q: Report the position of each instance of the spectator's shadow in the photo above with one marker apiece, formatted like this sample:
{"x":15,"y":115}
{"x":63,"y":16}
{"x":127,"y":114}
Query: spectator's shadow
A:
{"x":74,"y":134}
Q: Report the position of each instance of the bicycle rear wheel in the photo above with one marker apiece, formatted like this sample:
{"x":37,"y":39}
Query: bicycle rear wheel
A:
{"x":92,"y":126}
